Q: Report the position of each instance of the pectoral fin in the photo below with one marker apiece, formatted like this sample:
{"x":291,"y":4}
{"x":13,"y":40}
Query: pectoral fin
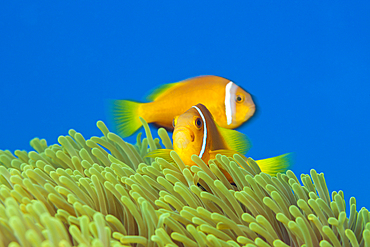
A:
{"x":235,"y":140}
{"x":162,"y":153}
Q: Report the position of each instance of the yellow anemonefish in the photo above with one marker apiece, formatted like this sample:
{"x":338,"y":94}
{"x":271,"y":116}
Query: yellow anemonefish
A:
{"x":195,"y":132}
{"x":229,"y":104}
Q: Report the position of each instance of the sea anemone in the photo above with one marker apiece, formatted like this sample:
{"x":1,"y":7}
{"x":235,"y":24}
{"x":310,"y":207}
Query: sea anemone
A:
{"x":106,"y":192}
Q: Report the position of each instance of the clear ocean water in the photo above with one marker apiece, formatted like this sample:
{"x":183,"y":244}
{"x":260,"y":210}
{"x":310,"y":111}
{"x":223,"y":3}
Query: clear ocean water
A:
{"x":307,"y":65}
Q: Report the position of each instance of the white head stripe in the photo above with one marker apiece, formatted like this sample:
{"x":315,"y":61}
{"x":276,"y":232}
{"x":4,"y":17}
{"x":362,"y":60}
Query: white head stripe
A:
{"x":228,"y":103}
{"x":204,"y":132}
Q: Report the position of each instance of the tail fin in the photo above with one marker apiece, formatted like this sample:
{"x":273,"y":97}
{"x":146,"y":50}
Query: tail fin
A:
{"x":126,"y":117}
{"x":277,"y":164}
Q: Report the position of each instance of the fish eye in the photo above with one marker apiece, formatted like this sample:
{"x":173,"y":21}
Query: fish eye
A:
{"x":198,"y":123}
{"x":239,"y":98}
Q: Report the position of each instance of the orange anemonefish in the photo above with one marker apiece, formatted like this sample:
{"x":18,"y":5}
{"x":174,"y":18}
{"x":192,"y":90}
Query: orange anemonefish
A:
{"x":195,"y":132}
{"x":229,"y":104}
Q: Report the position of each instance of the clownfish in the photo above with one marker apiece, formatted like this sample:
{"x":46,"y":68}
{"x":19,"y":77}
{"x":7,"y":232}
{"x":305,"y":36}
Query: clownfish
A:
{"x":196,"y":132}
{"x":229,"y":104}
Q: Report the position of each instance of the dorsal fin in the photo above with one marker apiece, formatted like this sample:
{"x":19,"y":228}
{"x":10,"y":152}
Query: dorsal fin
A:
{"x":160,"y":90}
{"x":235,"y":140}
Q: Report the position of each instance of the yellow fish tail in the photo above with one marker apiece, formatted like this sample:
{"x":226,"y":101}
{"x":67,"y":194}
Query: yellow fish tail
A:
{"x":126,"y":117}
{"x":277,"y":164}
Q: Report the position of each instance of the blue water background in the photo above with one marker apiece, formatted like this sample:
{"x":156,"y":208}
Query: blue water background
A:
{"x":307,"y":64}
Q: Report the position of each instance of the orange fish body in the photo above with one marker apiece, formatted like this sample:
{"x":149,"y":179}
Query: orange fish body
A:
{"x":195,"y":132}
{"x":229,"y":104}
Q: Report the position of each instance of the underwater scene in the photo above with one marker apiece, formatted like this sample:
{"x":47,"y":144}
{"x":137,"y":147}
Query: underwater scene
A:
{"x":184,"y":124}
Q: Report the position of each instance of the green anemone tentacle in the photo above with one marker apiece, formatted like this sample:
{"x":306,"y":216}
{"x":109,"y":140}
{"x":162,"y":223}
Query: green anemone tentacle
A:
{"x":103,"y":191}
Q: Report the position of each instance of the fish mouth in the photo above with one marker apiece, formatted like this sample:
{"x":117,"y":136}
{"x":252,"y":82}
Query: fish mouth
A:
{"x":250,"y":112}
{"x":182,"y":136}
